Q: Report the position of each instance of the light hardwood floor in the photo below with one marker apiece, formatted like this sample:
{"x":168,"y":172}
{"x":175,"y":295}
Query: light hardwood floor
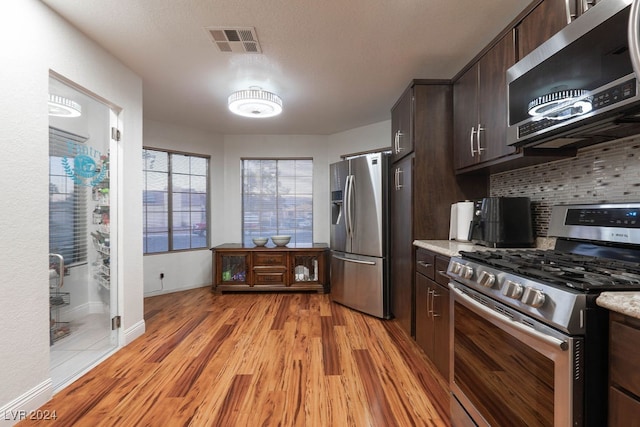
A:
{"x":268,"y":359}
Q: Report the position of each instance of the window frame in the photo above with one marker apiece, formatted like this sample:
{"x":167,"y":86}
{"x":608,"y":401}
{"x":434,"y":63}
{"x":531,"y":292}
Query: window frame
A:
{"x":170,"y":195}
{"x":242,"y":194}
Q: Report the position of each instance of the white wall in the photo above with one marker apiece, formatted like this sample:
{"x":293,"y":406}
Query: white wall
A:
{"x":239,"y":146}
{"x":185,"y":270}
{"x":33,"y":41}
{"x":365,"y":138}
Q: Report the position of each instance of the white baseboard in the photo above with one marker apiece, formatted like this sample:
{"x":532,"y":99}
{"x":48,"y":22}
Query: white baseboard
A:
{"x":25,"y":406}
{"x":172,"y":290}
{"x":133,"y":332}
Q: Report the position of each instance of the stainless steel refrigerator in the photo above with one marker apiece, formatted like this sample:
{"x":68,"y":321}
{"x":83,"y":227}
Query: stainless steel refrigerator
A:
{"x":359,"y":234}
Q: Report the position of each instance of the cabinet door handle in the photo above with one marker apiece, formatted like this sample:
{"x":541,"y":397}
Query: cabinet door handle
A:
{"x":430,"y":294}
{"x":480,"y":149}
{"x":398,"y":177}
{"x":473,"y":132}
{"x":434,"y":294}
{"x":395,"y":179}
{"x":399,"y":134}
{"x":395,"y":142}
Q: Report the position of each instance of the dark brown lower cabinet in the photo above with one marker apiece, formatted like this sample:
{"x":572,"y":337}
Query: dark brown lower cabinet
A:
{"x":624,"y":371}
{"x":432,"y":308}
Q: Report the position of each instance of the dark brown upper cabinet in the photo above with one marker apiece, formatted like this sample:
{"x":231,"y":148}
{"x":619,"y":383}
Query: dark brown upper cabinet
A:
{"x":544,"y":21}
{"x":480,"y":107}
{"x":401,"y":127}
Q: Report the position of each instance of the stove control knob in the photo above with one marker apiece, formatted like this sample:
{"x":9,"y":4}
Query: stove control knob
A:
{"x":466,"y":272}
{"x":512,"y":289}
{"x":486,"y":279}
{"x":533,"y":297}
{"x":456,"y":267}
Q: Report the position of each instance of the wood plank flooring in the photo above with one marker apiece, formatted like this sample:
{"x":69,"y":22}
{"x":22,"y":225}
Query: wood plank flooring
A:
{"x":258,"y":360}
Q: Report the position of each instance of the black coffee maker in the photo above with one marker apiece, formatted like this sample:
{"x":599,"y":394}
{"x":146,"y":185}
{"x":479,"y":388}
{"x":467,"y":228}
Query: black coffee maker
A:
{"x":502,"y":222}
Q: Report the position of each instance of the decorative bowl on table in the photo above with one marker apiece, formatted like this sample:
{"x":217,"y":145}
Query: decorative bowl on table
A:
{"x":260,"y":241}
{"x":280,"y":240}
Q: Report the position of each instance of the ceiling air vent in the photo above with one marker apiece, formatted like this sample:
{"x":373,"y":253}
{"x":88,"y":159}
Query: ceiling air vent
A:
{"x":236,"y":40}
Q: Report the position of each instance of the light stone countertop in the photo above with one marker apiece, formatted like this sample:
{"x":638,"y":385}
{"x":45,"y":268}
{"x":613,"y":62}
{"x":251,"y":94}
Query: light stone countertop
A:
{"x":452,"y":247}
{"x":627,"y":303}
{"x":447,"y":247}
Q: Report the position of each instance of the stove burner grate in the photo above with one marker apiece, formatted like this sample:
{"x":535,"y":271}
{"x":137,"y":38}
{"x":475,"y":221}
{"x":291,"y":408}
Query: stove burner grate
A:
{"x":576,"y":271}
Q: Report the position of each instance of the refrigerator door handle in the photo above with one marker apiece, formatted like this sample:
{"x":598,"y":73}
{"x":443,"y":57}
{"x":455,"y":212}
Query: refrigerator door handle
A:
{"x":356,"y":261}
{"x":346,"y":204}
{"x":348,"y":217}
{"x":352,"y":191}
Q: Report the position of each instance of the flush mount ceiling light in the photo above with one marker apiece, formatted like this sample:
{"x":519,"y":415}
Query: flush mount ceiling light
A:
{"x":561,"y":105}
{"x":255,"y":102}
{"x":59,"y":106}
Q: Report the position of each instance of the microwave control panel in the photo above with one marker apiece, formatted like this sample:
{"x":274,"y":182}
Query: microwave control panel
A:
{"x":599,"y":100}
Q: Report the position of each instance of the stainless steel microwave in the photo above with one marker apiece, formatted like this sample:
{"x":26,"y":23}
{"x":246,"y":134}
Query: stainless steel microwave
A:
{"x":581,"y":86}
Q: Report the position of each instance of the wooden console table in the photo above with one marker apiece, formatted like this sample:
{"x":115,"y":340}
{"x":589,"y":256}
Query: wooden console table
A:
{"x":271,"y":268}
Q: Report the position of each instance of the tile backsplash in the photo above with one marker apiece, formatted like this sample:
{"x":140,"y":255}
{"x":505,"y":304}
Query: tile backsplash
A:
{"x":604,"y":173}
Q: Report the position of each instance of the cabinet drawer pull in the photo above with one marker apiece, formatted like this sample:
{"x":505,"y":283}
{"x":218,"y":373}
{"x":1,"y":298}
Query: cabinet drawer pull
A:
{"x":275,"y":268}
{"x":424,"y":264}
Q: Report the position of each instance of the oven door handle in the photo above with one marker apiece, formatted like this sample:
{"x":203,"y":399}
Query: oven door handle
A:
{"x":563,"y":345}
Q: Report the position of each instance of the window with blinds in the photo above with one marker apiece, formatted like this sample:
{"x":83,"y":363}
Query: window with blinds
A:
{"x":277,"y":198}
{"x":68,"y":202}
{"x":175,"y":201}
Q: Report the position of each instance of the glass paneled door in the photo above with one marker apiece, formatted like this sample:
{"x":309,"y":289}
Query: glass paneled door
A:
{"x":82,"y":238}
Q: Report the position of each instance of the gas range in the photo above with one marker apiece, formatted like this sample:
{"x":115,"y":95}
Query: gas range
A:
{"x":525,"y":323}
{"x":597,"y":249}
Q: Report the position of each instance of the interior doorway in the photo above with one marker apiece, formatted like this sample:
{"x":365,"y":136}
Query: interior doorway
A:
{"x":82,"y":238}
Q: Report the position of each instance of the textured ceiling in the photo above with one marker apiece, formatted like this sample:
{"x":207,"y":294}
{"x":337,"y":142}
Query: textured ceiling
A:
{"x":337,"y":64}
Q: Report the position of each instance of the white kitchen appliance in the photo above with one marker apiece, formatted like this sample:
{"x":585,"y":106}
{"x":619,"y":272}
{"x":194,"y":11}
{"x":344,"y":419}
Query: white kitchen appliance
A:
{"x":460,"y":221}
